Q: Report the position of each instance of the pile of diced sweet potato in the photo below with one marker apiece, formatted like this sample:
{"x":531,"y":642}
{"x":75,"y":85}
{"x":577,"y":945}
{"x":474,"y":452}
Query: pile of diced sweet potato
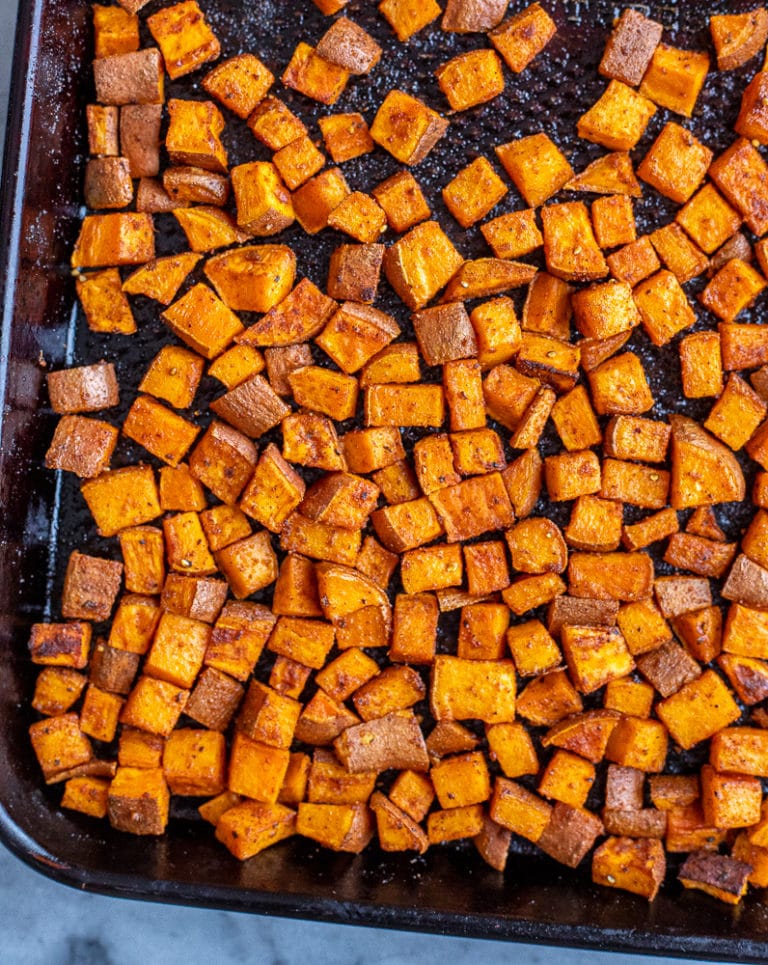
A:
{"x":578,"y":663}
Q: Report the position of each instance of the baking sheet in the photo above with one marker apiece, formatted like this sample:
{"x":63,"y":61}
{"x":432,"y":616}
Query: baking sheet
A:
{"x":449,"y":890}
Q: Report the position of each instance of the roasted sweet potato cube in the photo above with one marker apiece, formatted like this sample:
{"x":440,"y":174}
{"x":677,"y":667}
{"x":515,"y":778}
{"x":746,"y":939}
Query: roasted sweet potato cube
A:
{"x":521,"y":38}
{"x":397,"y":831}
{"x":249,"y":564}
{"x":238,"y":638}
{"x":174,"y":375}
{"x":341,"y":827}
{"x":549,"y":699}
{"x":738,"y":37}
{"x":611,"y":576}
{"x":154,"y":706}
{"x":536,"y":166}
{"x":638,"y":742}
{"x":637,"y":865}
{"x":643,"y":627}
{"x":250,"y":826}
{"x":569,"y":834}
{"x":298,"y":161}
{"x":634,"y":262}
{"x":709,"y":219}
{"x":421,"y":263}
{"x":91,"y":585}
{"x":121,"y":498}
{"x":675,"y":77}
{"x":263,"y":202}
{"x":81,"y":445}
{"x":497,"y":332}
{"x":203,"y":321}
{"x":570,"y":248}
{"x":595,"y":655}
{"x":471,"y":78}
{"x":461,"y":780}
{"x":184,"y":38}
{"x":649,"y":530}
{"x":240,"y":83}
{"x":103,"y":122}
{"x":733,"y":289}
{"x":634,"y":437}
{"x":214,"y":699}
{"x":143,"y":549}
{"x":255,"y":769}
{"x":609,"y":174}
{"x":572,"y":474}
{"x":391,"y":690}
{"x":406,"y":525}
{"x":619,"y":386}
{"x":268,"y":716}
{"x":717,"y":875}
{"x":135,"y":77}
{"x":741,"y":174}
{"x":473,"y":192}
{"x":644,"y":486}
{"x":402,"y":200}
{"x":310,"y":74}
{"x":730,"y":800}
{"x":567,"y":778}
{"x":472,"y":507}
{"x":205,"y":226}
{"x":318,"y":198}
{"x":604,"y":310}
{"x":482,"y":277}
{"x":678,"y":253}
{"x":406,"y":127}
{"x":348,"y":46}
{"x":106,"y":307}
{"x":736,"y":414}
{"x":57,"y":689}
{"x":516,"y":808}
{"x":196,"y":185}
{"x":701,"y":365}
{"x":613,"y":220}
{"x":108,"y":183}
{"x":618,"y":119}
{"x":714,"y":706}
{"x":675,"y":163}
{"x":139,"y":800}
{"x":274,"y":124}
{"x":630,"y":47}
{"x":193,"y":135}
{"x":162,"y":432}
{"x":595,"y":524}
{"x":86,"y":794}
{"x":466,"y":689}
{"x":514,"y":234}
{"x":407,"y":17}
{"x":115,"y":31}
{"x":236,"y":365}
{"x":133,"y":628}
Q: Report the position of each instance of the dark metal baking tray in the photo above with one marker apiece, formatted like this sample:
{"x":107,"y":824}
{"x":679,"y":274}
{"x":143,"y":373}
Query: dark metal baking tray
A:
{"x":449,"y":891}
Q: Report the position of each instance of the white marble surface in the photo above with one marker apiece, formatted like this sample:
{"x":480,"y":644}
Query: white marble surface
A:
{"x":44,"y":923}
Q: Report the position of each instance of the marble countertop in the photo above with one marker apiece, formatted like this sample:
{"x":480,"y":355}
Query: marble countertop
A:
{"x":45,"y":923}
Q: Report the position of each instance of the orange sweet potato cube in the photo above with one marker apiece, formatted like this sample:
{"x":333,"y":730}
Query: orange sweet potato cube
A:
{"x":103,"y":138}
{"x":461,"y":780}
{"x":466,"y":689}
{"x":206,"y":227}
{"x":361,"y":217}
{"x":115,"y":30}
{"x":139,"y":800}
{"x":162,"y":432}
{"x":627,"y":577}
{"x":521,"y":38}
{"x":619,"y":386}
{"x":613,"y":220}
{"x":675,"y":249}
{"x":701,"y":365}
{"x":240,"y":83}
{"x":406,"y":127}
{"x":595,"y":655}
{"x":236,"y":365}
{"x":250,"y":826}
{"x":263,"y":202}
{"x":567,"y":778}
{"x":194,"y":762}
{"x":604,"y":310}
{"x":698,"y":710}
{"x":193,"y":135}
{"x":249,"y":564}
{"x":274,"y":124}
{"x":414,"y":629}
{"x":203,"y":321}
{"x":420,"y":263}
{"x":471,"y":78}
{"x":256,"y":770}
{"x":407,"y":17}
{"x":733,"y":289}
{"x":730,"y":800}
{"x":637,"y":865}
{"x":318,"y":198}
{"x":473,"y":192}
{"x":121,"y":498}
{"x":675,"y":77}
{"x":104,"y":303}
{"x":174,"y":375}
{"x":618,"y":119}
{"x":675,"y":163}
{"x":81,"y":445}
{"x":736,"y":414}
{"x":536,"y":166}
{"x":402,"y":200}
{"x":740,"y":173}
{"x":609,"y":174}
{"x":516,"y":808}
{"x":709,"y":219}
{"x":346,"y":136}
{"x":634,"y":261}
{"x":570,"y":248}
{"x":630,"y":697}
{"x":184,"y":38}
{"x":316,"y":78}
{"x":595,"y":524}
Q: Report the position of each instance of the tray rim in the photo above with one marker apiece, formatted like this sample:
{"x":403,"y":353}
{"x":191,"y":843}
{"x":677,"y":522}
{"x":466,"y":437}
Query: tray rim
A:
{"x":284,"y":904}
